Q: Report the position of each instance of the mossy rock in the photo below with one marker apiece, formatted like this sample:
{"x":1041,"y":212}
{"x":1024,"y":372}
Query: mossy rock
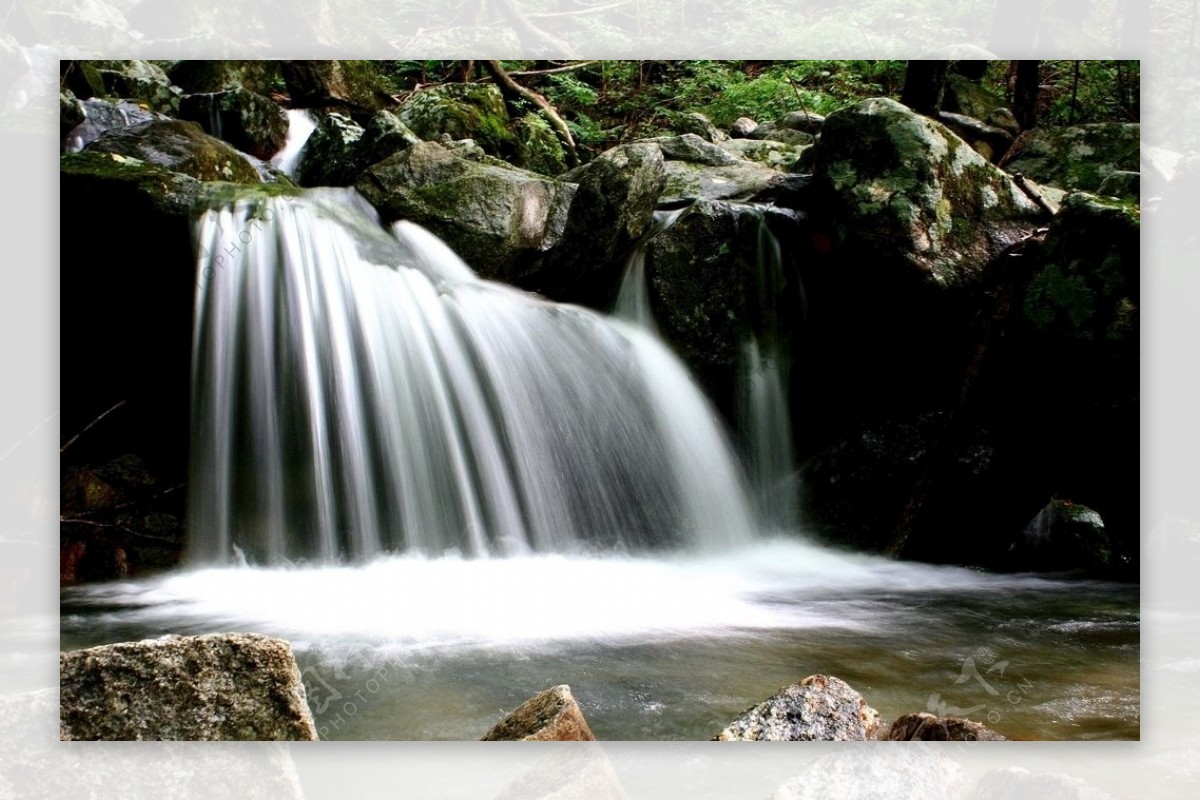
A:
{"x":1079,"y":157}
{"x":696,"y":123}
{"x":497,"y":218}
{"x":70,"y":112}
{"x":354,"y":85}
{"x":128,"y":80}
{"x":195,"y":77}
{"x":687,"y":181}
{"x":328,"y":159}
{"x":776,"y":155}
{"x":902,"y":187}
{"x":1087,"y":287}
{"x":462,"y":111}
{"x":181,"y":147}
{"x":970,"y":98}
{"x":538,"y":146}
{"x":248,"y":121}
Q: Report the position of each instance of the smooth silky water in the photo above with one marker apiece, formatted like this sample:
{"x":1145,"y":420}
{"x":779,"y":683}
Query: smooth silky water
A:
{"x":449,"y":495}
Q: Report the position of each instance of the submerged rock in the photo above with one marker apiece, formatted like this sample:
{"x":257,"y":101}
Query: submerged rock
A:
{"x":924,"y":726}
{"x":817,"y":708}
{"x":1079,"y":157}
{"x":213,"y":687}
{"x":552,"y":714}
{"x":497,"y":218}
{"x":898,"y":185}
{"x":246,"y":120}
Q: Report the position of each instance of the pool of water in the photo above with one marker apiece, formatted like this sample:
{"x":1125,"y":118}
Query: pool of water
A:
{"x":662,"y":647}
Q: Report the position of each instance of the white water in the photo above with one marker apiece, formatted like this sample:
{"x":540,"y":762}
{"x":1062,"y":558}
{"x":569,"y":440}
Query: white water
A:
{"x":356,"y":393}
{"x":301,"y":125}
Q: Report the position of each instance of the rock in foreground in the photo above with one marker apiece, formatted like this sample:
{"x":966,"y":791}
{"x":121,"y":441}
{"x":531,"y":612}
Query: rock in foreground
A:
{"x":817,"y":708}
{"x":213,"y":687}
{"x":552,"y":714}
{"x":924,"y":726}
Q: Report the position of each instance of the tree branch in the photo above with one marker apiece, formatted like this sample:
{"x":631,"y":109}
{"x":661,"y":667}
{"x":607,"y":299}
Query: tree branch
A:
{"x":86,"y":428}
{"x":510,"y":89}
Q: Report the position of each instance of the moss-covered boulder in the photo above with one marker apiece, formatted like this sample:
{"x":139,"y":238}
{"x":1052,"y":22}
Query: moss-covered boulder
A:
{"x":1065,"y":536}
{"x":355,"y":85}
{"x":1122,"y":184}
{"x":246,"y":120}
{"x":1087,"y":287}
{"x":776,"y":155}
{"x":1079,"y":157}
{"x":687,"y":181}
{"x":327,"y":159}
{"x":612,"y":208}
{"x":129,"y":80}
{"x":462,"y":111}
{"x":780,"y":133}
{"x":903,"y":188}
{"x":181,"y":147}
{"x":538,"y":146}
{"x":196,"y":77}
{"x":497,"y":218}
{"x":970,"y":98}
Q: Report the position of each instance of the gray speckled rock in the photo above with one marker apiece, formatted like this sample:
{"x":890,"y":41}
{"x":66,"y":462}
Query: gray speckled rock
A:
{"x":691,"y":148}
{"x":817,"y":708}
{"x":212,"y":687}
{"x":1079,"y":157}
{"x":552,"y":714}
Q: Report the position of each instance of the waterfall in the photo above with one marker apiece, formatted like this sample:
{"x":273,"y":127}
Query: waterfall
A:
{"x":301,"y":125}
{"x":358,"y":391}
{"x":633,"y":297}
{"x":764,"y":418}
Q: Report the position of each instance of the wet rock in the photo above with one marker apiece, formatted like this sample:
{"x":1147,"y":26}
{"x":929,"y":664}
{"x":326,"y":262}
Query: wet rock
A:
{"x":924,"y":726}
{"x":1079,"y":157}
{"x":612,"y":208}
{"x":101,"y":116}
{"x":696,"y":123}
{"x":181,"y":147}
{"x":497,"y":218}
{"x":817,"y":708}
{"x":246,"y":120}
{"x":139,"y":81}
{"x":213,"y":687}
{"x":805,"y":121}
{"x":1064,"y":536}
{"x":1121,"y":184}
{"x":552,"y":714}
{"x":901,"y":187}
{"x":742,"y":127}
{"x":327,"y":159}
{"x":686,"y":181}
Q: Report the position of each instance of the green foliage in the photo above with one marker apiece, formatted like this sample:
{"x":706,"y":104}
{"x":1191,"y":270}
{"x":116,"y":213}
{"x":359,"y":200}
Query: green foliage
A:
{"x":1075,"y":92}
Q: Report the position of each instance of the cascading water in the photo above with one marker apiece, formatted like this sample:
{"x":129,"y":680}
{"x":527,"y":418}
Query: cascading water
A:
{"x":301,"y":125}
{"x":356,"y":392}
{"x":633,"y":297}
{"x":763,"y":413}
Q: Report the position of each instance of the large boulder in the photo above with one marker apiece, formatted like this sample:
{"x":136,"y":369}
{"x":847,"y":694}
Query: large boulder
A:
{"x":340,"y":149}
{"x":924,"y":726}
{"x":901,"y":187}
{"x":776,"y":155}
{"x":462,"y":111}
{"x":739,"y":180}
{"x":197,"y":77}
{"x":350,"y":84}
{"x":181,"y":147}
{"x":1079,"y":157}
{"x":612,"y":209}
{"x":552,"y":714}
{"x":817,"y":708}
{"x":497,"y":218}
{"x":213,"y":687}
{"x":128,"y":80}
{"x":246,"y":120}
{"x":1064,"y":536}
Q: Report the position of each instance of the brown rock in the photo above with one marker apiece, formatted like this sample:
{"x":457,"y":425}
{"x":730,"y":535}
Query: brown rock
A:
{"x":924,"y":726}
{"x":213,"y":687}
{"x":552,"y":714}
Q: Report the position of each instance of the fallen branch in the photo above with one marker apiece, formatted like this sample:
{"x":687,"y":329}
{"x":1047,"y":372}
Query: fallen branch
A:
{"x":88,"y":427}
{"x":126,"y":529}
{"x":1032,"y":193}
{"x":553,"y":71}
{"x":511,"y":89}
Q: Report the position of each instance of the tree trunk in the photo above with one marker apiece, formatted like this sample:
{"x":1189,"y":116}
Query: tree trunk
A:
{"x":924,"y":84}
{"x":1025,"y":93}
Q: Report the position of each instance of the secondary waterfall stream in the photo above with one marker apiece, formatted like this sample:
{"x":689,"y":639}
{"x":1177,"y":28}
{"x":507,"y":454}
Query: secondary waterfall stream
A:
{"x":451,"y":494}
